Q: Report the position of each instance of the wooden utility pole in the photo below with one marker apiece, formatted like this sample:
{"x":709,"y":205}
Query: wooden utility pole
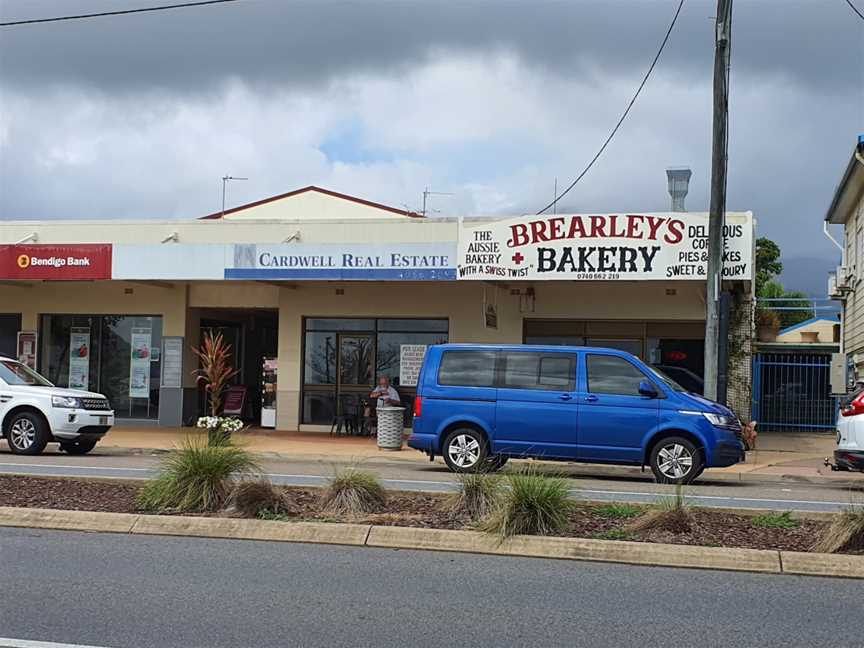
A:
{"x":717,"y":216}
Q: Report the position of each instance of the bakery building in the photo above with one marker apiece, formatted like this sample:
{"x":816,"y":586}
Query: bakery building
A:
{"x":319,"y":292}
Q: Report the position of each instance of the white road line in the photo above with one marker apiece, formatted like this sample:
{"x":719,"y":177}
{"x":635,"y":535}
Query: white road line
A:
{"x":716,"y":497}
{"x":24,"y":643}
{"x":71,"y":466}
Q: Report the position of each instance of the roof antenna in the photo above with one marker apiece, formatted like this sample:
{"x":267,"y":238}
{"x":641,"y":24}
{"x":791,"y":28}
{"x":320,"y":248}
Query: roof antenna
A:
{"x":225,"y":180}
{"x":427,"y":193}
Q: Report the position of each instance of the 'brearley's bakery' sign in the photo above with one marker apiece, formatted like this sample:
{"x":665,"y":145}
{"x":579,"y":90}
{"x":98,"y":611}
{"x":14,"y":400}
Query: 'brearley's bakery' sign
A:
{"x":602,"y":247}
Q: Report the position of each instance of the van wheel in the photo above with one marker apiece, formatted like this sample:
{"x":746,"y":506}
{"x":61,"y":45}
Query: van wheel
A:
{"x":676,"y":460}
{"x":27,"y":433}
{"x":79,"y":447}
{"x":465,"y":450}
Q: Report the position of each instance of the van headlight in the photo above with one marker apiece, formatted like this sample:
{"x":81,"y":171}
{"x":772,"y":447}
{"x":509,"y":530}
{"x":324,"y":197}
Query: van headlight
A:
{"x":722,"y":421}
{"x":66,"y":401}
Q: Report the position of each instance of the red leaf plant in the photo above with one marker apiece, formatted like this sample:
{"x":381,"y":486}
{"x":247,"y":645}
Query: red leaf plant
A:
{"x":216,"y":369}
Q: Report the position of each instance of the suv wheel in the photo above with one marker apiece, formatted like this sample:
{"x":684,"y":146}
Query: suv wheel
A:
{"x":26,"y":433}
{"x":676,"y":460}
{"x":79,"y":447}
{"x":465,"y":450}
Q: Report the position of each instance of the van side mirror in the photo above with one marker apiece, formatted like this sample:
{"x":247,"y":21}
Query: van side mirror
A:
{"x":647,"y":389}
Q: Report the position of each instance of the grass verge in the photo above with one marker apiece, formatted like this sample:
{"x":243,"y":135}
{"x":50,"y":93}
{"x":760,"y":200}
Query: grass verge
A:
{"x":196,"y":478}
{"x":532,"y":504}
{"x":353,"y":492}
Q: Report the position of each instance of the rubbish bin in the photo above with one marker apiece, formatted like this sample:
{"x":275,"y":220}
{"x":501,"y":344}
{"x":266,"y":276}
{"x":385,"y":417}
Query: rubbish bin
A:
{"x":390,"y":427}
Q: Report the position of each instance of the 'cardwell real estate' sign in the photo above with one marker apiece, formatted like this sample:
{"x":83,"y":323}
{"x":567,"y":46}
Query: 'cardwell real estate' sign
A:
{"x":394,"y":262}
{"x":602,"y":247}
{"x":55,"y":262}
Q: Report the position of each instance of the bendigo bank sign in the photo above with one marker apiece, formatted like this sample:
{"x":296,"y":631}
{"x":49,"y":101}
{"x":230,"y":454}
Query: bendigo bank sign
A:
{"x":55,"y":262}
{"x":603,"y":247}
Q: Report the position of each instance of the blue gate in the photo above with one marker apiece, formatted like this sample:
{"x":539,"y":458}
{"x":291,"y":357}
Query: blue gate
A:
{"x":792,"y":391}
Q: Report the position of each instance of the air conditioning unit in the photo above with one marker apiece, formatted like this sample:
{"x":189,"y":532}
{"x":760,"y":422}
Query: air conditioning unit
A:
{"x":833,"y":293}
{"x":843,"y":278}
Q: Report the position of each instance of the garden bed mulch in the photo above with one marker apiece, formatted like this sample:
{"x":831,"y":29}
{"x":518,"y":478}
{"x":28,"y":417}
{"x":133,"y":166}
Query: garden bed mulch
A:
{"x":710,"y":528}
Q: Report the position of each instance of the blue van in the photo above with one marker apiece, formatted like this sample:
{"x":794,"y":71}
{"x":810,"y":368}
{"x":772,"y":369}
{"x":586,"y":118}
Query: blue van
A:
{"x":479,"y":405}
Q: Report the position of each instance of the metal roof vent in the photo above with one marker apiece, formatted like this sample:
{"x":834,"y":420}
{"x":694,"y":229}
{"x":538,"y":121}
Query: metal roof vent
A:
{"x":679,"y":185}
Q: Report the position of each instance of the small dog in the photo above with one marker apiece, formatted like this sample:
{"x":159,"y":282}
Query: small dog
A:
{"x":748,"y":435}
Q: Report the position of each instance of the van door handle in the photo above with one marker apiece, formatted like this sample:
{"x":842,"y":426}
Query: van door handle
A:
{"x":565,"y":397}
{"x":591,"y":399}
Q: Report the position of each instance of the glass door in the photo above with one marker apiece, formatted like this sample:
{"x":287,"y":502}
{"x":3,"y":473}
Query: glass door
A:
{"x":356,"y":371}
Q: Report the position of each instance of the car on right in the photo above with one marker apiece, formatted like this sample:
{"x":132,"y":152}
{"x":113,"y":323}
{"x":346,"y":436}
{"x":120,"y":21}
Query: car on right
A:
{"x":849,"y":454}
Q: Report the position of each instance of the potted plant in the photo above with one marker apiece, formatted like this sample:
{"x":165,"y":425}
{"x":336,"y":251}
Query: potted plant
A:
{"x":214,"y":373}
{"x":767,"y":325}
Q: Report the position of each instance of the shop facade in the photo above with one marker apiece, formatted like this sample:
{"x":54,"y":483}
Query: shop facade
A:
{"x":333,"y":291}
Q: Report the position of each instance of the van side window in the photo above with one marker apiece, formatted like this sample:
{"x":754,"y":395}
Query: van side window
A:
{"x":613,"y":375}
{"x":467,"y":369}
{"x":539,"y":371}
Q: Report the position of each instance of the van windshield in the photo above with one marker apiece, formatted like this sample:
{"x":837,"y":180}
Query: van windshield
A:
{"x":663,"y":377}
{"x":15,"y":373}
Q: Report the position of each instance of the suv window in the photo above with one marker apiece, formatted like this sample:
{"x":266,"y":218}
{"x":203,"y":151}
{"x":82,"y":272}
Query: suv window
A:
{"x":613,"y":375}
{"x":467,"y":369}
{"x":15,"y":373}
{"x":538,"y":371}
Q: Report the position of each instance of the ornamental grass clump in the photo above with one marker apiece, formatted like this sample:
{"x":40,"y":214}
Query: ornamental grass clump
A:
{"x":258,"y":498}
{"x":672,"y":514}
{"x":531,"y":503}
{"x":477,"y":495}
{"x":353,"y":492}
{"x":846,"y":533}
{"x":196,"y":478}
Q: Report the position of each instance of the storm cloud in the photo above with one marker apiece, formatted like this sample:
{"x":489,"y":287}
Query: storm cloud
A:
{"x":140,"y":116}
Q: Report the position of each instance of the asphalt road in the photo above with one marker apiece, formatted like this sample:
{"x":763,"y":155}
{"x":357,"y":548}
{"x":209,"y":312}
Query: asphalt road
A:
{"x":795,"y":495}
{"x":132,"y":591}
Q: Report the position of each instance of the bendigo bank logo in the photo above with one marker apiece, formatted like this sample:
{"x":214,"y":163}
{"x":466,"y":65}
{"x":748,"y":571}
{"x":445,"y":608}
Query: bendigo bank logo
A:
{"x":23,"y":261}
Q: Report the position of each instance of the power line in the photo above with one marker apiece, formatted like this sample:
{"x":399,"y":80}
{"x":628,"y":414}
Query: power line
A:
{"x":623,"y":116}
{"x":115,"y":13}
{"x":855,"y":9}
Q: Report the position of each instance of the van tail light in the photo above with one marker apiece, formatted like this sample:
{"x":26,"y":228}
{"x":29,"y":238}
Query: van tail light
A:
{"x":855,"y":407}
{"x":418,"y":406}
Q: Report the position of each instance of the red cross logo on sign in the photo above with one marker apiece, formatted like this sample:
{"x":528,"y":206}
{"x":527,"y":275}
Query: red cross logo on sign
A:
{"x":518,"y":258}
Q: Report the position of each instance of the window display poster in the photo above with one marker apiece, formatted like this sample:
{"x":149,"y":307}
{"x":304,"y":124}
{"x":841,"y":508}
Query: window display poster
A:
{"x":410,"y":360}
{"x":139,"y":363}
{"x":79,"y":358}
{"x":27,"y":348}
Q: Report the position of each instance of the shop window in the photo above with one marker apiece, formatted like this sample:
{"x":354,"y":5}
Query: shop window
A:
{"x":116,"y":355}
{"x":320,"y":358}
{"x":9,"y":326}
{"x":630,"y":346}
{"x":342,"y":358}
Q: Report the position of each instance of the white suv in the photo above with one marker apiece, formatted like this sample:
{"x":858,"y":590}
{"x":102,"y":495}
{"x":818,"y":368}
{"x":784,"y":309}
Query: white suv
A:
{"x":34,"y":412}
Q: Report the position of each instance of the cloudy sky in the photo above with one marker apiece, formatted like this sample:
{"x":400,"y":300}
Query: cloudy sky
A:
{"x":140,"y":116}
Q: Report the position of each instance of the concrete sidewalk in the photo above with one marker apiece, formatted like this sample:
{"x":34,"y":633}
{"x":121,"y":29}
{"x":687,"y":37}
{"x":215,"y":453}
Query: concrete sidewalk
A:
{"x":778,"y":455}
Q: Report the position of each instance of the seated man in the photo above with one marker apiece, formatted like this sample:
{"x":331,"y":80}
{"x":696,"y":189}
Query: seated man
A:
{"x":385,"y":394}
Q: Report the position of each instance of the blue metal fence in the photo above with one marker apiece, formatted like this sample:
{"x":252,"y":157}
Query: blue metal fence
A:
{"x":792,"y":391}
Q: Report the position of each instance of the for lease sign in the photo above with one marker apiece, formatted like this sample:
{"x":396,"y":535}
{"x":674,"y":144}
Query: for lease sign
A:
{"x":55,"y":262}
{"x":603,"y":247}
